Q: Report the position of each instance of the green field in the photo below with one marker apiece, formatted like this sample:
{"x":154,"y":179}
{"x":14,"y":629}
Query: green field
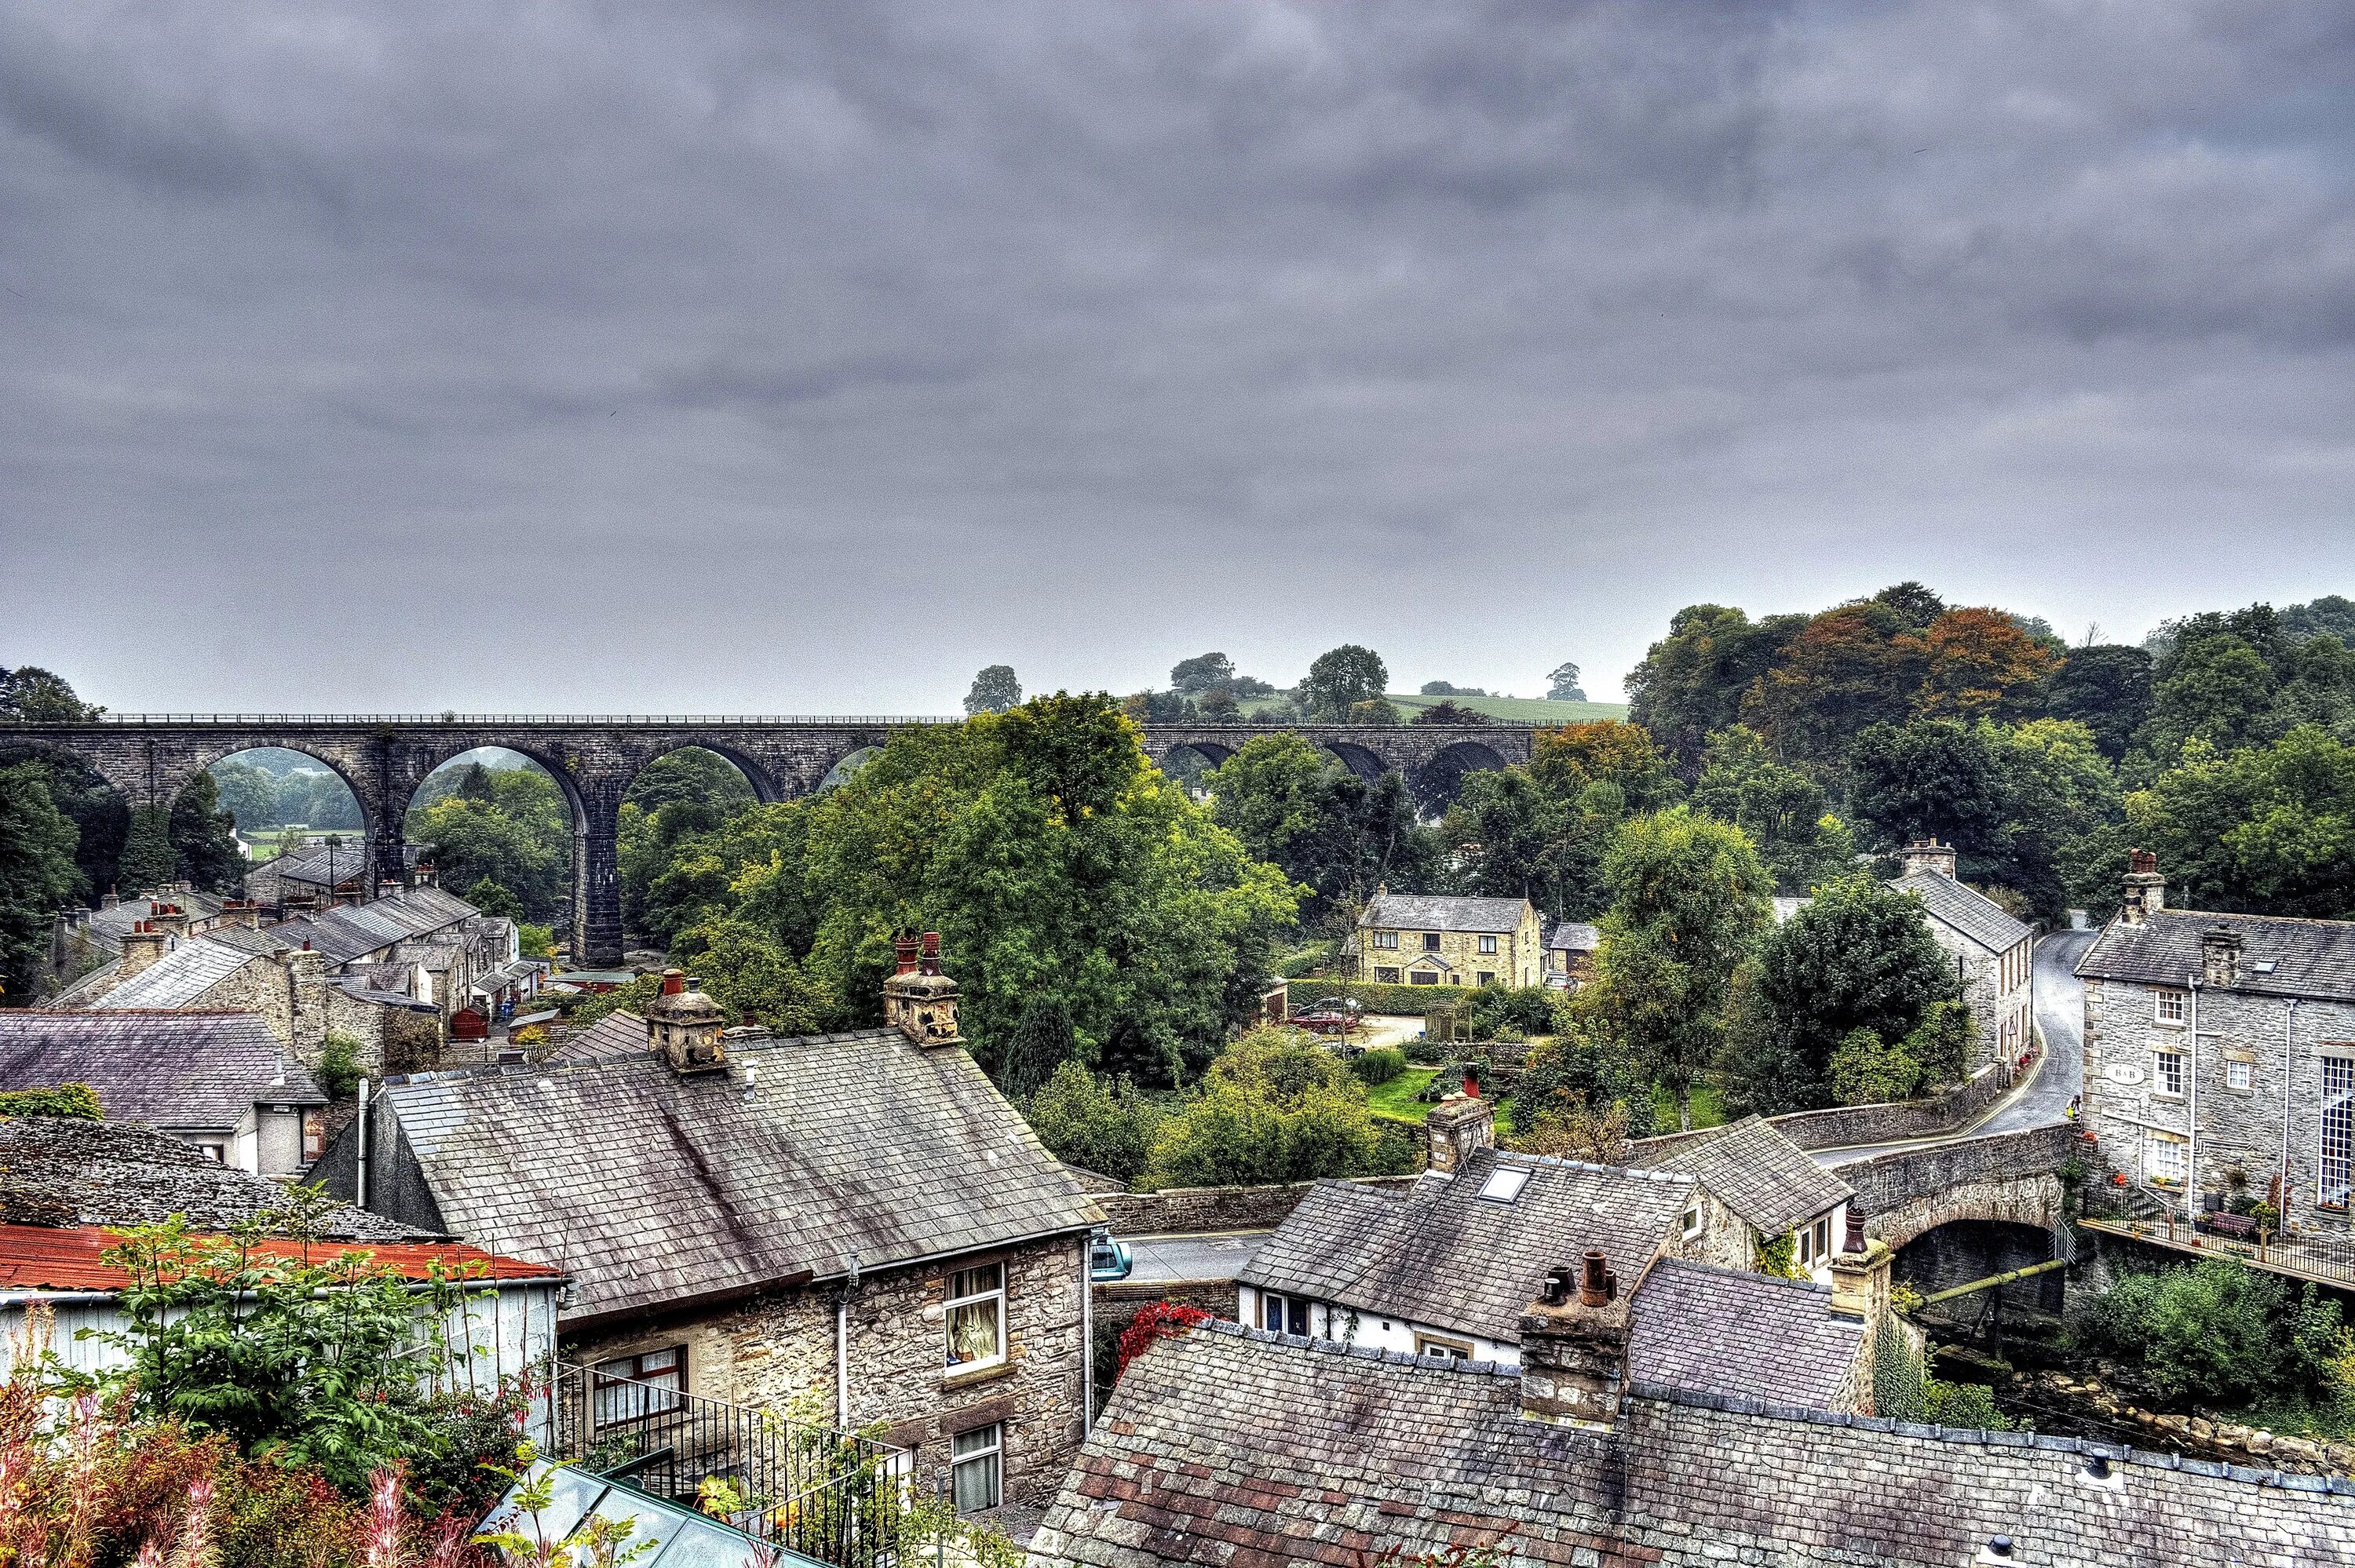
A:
{"x":1395,"y":1101}
{"x":1519,"y":710}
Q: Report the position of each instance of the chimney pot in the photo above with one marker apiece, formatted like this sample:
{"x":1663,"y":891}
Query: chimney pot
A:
{"x":674,"y":981}
{"x":1854,"y":1240}
{"x":1556,"y":1286}
{"x":1595,"y":1283}
{"x":903,"y":951}
{"x":932,"y":962}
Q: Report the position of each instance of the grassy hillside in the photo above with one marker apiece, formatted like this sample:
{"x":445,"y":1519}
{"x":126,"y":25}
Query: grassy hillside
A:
{"x":1521,"y":710}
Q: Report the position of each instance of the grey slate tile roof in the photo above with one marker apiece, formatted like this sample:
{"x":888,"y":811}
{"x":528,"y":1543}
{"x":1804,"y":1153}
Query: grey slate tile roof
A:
{"x":1236,"y":1448}
{"x":178,"y":978}
{"x":619,"y":1036}
{"x":806,"y":1154}
{"x":189,"y":1071}
{"x":1572,"y":936}
{"x":312,"y":864}
{"x":1727,"y":1331}
{"x":1966,"y":909}
{"x":353,"y":930}
{"x":56,"y":1170}
{"x":2314,"y":958}
{"x":109,"y":925}
{"x":1417,"y":912}
{"x":1441,"y":1254}
{"x":1759,"y":1173}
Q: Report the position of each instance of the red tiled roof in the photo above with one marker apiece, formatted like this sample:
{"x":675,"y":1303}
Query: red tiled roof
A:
{"x":45,"y":1257}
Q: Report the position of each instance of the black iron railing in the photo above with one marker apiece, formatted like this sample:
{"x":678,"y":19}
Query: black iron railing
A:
{"x":833,"y":1496}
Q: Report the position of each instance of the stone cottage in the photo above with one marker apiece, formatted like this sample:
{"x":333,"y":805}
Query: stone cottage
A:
{"x":1770,"y":1186}
{"x":855,"y":1227}
{"x":2220,"y":1053}
{"x":1410,"y":939}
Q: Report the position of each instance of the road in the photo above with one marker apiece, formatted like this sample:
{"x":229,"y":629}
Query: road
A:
{"x":2060,"y":1015}
{"x":1218,"y":1256}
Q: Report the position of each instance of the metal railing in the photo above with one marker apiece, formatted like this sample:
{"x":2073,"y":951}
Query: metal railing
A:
{"x":834,"y":1495}
{"x":2302,"y":1256}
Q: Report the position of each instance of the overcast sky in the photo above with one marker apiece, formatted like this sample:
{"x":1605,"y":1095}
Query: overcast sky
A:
{"x":805,"y":358}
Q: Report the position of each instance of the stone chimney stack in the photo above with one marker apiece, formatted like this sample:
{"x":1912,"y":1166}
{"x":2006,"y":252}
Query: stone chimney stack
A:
{"x":172,"y":920}
{"x":242,"y":912}
{"x":1929,"y":855}
{"x":1861,"y":1280}
{"x":141,"y":946}
{"x":109,"y":900}
{"x":2220,"y":956}
{"x":1575,"y":1349}
{"x":918,"y":1000}
{"x":1456,"y":1128}
{"x":2146,"y":889}
{"x":683,"y":1025}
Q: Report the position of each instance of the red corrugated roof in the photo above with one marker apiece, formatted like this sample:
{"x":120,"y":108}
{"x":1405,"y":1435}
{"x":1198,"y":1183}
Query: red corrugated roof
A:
{"x":44,"y":1257}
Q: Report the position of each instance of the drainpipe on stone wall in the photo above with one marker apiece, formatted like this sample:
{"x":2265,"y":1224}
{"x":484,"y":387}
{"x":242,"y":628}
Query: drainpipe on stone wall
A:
{"x":2289,"y":1066}
{"x":1087,"y":1337}
{"x":842,"y":1347}
{"x":359,"y":1184}
{"x":2191,"y":1150}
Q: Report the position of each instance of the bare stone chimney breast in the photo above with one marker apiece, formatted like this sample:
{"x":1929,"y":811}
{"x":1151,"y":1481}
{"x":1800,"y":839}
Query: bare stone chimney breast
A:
{"x":1574,"y":1348}
{"x":141,"y":946}
{"x":2146,"y":889}
{"x":1458,"y":1126}
{"x":918,"y":1000}
{"x":2220,"y":956}
{"x":683,"y":1025}
{"x":1929,"y":855}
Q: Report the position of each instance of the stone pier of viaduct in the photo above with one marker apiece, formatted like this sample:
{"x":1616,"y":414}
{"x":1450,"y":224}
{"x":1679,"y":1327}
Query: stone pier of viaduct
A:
{"x":385,"y":758}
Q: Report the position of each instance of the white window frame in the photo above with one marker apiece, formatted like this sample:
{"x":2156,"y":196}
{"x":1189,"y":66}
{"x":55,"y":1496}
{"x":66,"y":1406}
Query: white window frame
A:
{"x":1823,"y":1230}
{"x":2239,"y":1075}
{"x":1278,"y":1312}
{"x":2160,"y":1076}
{"x":1488,"y":944}
{"x":2334,"y":1145}
{"x":988,"y":1449}
{"x":1484,"y":978}
{"x":2176,"y":1168}
{"x":2172,"y":1006}
{"x":974,"y":1294}
{"x":1694,"y":1222}
{"x":639,"y":1393}
{"x":1442,"y":1347}
{"x":1386,"y":938}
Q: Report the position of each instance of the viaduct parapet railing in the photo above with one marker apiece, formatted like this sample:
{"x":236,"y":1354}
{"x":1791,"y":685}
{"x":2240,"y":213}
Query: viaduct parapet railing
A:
{"x":385,"y":758}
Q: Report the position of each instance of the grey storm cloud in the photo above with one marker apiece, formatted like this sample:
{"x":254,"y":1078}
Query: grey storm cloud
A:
{"x":807,"y":356}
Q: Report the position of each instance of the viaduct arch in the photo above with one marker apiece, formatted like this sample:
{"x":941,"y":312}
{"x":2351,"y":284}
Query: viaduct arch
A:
{"x":384,"y":758}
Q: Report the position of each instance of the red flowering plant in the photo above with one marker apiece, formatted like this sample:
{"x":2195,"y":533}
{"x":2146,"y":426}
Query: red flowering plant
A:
{"x":1156,"y":1322}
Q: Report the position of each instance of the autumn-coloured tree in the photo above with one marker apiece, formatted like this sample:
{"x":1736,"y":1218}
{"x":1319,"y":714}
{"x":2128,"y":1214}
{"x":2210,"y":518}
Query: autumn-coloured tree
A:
{"x":1980,"y":665}
{"x":1853,"y":667}
{"x":1566,"y":760}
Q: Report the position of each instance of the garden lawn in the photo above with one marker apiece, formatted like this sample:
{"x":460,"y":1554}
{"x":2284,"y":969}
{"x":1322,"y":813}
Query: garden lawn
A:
{"x":1708,"y":1107}
{"x":1395,"y":1101}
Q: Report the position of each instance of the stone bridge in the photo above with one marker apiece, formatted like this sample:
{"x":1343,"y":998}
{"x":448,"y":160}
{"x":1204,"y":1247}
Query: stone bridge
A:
{"x":384,"y":758}
{"x":2014,"y":1177}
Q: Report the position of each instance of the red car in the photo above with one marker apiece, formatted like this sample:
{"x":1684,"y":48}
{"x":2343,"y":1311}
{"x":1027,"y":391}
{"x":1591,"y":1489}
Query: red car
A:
{"x":1331,"y":1016}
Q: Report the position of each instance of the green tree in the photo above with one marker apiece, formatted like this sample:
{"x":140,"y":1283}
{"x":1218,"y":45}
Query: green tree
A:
{"x":37,"y":877}
{"x":1925,"y":778}
{"x":994,"y":691}
{"x":2106,"y":688}
{"x":1040,"y":1041}
{"x":2332,"y":614}
{"x":148,"y":862}
{"x":1094,"y":1123}
{"x":2059,"y":794}
{"x":1297,"y":807}
{"x":1858,"y":956}
{"x":690,"y":776}
{"x":1339,"y":681}
{"x":519,"y":837}
{"x":248,"y":794}
{"x":1561,"y":685}
{"x":1942,"y":1042}
{"x":2267,"y":830}
{"x":2218,"y":689}
{"x":1868,"y":1070}
{"x":1581,"y":1070}
{"x":1693,"y":682}
{"x":2217,"y":1331}
{"x":747,"y":969}
{"x":204,"y":852}
{"x":1689,"y":902}
{"x":1202,"y":674}
{"x":1786,"y":813}
{"x":1272,"y":1109}
{"x":492,"y":899}
{"x":30,"y":694}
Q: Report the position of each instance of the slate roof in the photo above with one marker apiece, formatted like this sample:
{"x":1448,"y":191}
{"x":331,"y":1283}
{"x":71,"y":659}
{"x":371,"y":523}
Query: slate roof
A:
{"x":178,"y":978}
{"x":1759,"y":1173}
{"x":109,"y":925}
{"x":619,"y":1036}
{"x":1441,"y":1254}
{"x":57,"y":1171}
{"x":1231,"y":1446}
{"x":354,"y":930}
{"x":1965,"y":909}
{"x":310,"y":864}
{"x":1572,"y":936}
{"x":1416,"y":912}
{"x":189,"y":1071}
{"x":807,"y":1153}
{"x":2311,"y":959}
{"x":1728,"y":1331}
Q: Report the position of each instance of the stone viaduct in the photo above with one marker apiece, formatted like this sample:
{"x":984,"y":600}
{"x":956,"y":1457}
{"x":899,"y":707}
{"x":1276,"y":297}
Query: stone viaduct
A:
{"x":384,"y":757}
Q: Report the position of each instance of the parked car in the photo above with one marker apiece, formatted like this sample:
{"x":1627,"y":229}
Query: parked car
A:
{"x":1108,"y":1258}
{"x":1333,"y":1015}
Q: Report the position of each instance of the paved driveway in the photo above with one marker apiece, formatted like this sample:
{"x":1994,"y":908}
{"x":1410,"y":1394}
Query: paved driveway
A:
{"x":1219,"y":1256}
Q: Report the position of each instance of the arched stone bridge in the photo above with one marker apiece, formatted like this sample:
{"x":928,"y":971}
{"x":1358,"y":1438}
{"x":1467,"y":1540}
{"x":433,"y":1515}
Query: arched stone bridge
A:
{"x":2011,"y":1177}
{"x":384,"y":757}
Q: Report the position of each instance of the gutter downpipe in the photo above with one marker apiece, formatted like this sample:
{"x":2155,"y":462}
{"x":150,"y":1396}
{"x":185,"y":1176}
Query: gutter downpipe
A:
{"x":2191,"y":1153}
{"x":842,"y":1347}
{"x":2289,"y":1066}
{"x":359,"y":1185}
{"x":1088,"y":1337}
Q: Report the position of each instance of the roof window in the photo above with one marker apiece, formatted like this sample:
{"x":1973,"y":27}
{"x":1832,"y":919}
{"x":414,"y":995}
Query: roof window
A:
{"x":1505,"y":1184}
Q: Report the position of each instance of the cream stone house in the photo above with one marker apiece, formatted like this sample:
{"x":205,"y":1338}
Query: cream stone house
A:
{"x":1411,"y":939}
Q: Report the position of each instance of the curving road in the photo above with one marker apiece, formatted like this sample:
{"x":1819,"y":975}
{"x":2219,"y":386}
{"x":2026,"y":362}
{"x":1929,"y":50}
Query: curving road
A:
{"x":2061,"y":1016}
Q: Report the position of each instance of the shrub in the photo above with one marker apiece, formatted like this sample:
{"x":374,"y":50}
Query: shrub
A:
{"x":535,"y":942}
{"x":339,"y":1066}
{"x":1271,"y":1110}
{"x":1523,"y":1010}
{"x":1941,"y":1043}
{"x":2217,"y":1331}
{"x":1868,"y":1070}
{"x":1156,"y":1322}
{"x":1579,"y":1073}
{"x":1379,"y":1065}
{"x":79,"y":1101}
{"x":1099,"y":1124}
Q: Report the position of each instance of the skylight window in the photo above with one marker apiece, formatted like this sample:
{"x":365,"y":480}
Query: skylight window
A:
{"x":2263,"y":967}
{"x":1505,"y":1184}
